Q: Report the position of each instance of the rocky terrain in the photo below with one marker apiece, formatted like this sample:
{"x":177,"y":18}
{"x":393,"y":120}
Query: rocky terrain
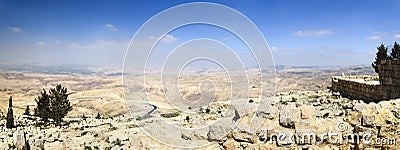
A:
{"x":304,"y":114}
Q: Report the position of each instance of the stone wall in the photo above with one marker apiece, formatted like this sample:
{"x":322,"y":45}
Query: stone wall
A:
{"x":389,"y":77}
{"x":358,"y":87}
{"x":371,"y":88}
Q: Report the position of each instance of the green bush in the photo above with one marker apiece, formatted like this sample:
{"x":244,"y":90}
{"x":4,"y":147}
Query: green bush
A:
{"x":132,"y":126}
{"x":87,"y":148}
{"x":170,"y":115}
{"x":107,"y":148}
{"x":326,"y":115}
{"x":27,"y":110}
{"x":208,"y":110}
{"x":117,"y":142}
{"x":112,"y":128}
{"x":187,"y":118}
{"x":98,"y":116}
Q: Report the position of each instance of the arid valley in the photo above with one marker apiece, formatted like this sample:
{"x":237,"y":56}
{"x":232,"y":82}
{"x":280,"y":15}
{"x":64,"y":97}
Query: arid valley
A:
{"x":302,"y":103}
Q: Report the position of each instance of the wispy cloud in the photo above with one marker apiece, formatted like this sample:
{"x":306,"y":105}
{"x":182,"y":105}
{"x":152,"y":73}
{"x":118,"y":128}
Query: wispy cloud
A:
{"x":274,"y":49}
{"x":15,"y":29}
{"x":312,"y":32}
{"x":41,"y":43}
{"x":105,"y":43}
{"x":111,"y":27}
{"x":99,"y":44}
{"x":75,"y":45}
{"x":166,"y":39}
{"x":374,"y":37}
{"x":397,"y":35}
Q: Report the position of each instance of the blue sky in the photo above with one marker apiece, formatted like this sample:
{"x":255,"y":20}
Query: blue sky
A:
{"x":97,"y":32}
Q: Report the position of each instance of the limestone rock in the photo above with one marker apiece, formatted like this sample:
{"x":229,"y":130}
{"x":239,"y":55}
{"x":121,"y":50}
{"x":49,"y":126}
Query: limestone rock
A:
{"x":231,"y":144}
{"x":216,"y":132}
{"x":307,"y":112}
{"x":288,"y":116}
{"x":38,"y":144}
{"x":19,"y":138}
{"x":359,"y":107}
{"x":396,"y":112}
{"x":243,"y":136}
{"x":269,"y":114}
{"x":368,"y":120}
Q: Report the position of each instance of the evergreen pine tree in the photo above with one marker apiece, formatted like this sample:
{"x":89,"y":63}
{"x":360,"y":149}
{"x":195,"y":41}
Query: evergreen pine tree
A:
{"x":42,"y":109}
{"x":380,"y":55}
{"x":10,"y":115}
{"x":53,"y":105}
{"x":27,"y":110}
{"x":98,"y":116}
{"x":395,"y":54}
{"x":59,"y":103}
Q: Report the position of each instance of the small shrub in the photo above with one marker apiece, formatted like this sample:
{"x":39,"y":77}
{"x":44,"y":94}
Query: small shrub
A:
{"x":294,"y":99}
{"x":96,"y":135}
{"x":87,"y":148}
{"x":132,"y":126}
{"x":187,"y":118}
{"x":170,"y":115}
{"x":325,"y":115}
{"x":98,"y":116}
{"x":117,"y":142}
{"x":84,"y":133}
{"x":284,"y":102}
{"x":96,"y":147}
{"x":11,"y":146}
{"x":107,"y":148}
{"x":251,"y":101}
{"x":208,"y":110}
{"x":139,"y":118}
{"x":27,"y":110}
{"x":84,"y":117}
{"x":112,"y":128}
{"x":313,"y":96}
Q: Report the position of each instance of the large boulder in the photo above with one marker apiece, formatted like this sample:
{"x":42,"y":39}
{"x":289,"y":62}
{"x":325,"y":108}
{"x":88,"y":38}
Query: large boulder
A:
{"x":243,"y":136}
{"x":38,"y":144}
{"x":307,"y":112}
{"x":231,"y":144}
{"x":19,"y":138}
{"x":289,"y":116}
{"x":216,"y":132}
{"x":268,"y":114}
{"x":368,"y":120}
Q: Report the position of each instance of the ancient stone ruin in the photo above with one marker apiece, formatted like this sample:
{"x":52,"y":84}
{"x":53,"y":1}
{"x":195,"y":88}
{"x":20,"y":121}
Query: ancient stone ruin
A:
{"x":371,"y":88}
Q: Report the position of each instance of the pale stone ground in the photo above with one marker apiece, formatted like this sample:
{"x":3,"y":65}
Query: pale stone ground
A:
{"x":302,"y":105}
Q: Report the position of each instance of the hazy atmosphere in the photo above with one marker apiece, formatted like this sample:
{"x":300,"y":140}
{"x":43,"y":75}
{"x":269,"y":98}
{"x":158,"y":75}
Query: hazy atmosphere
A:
{"x":98,"y":32}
